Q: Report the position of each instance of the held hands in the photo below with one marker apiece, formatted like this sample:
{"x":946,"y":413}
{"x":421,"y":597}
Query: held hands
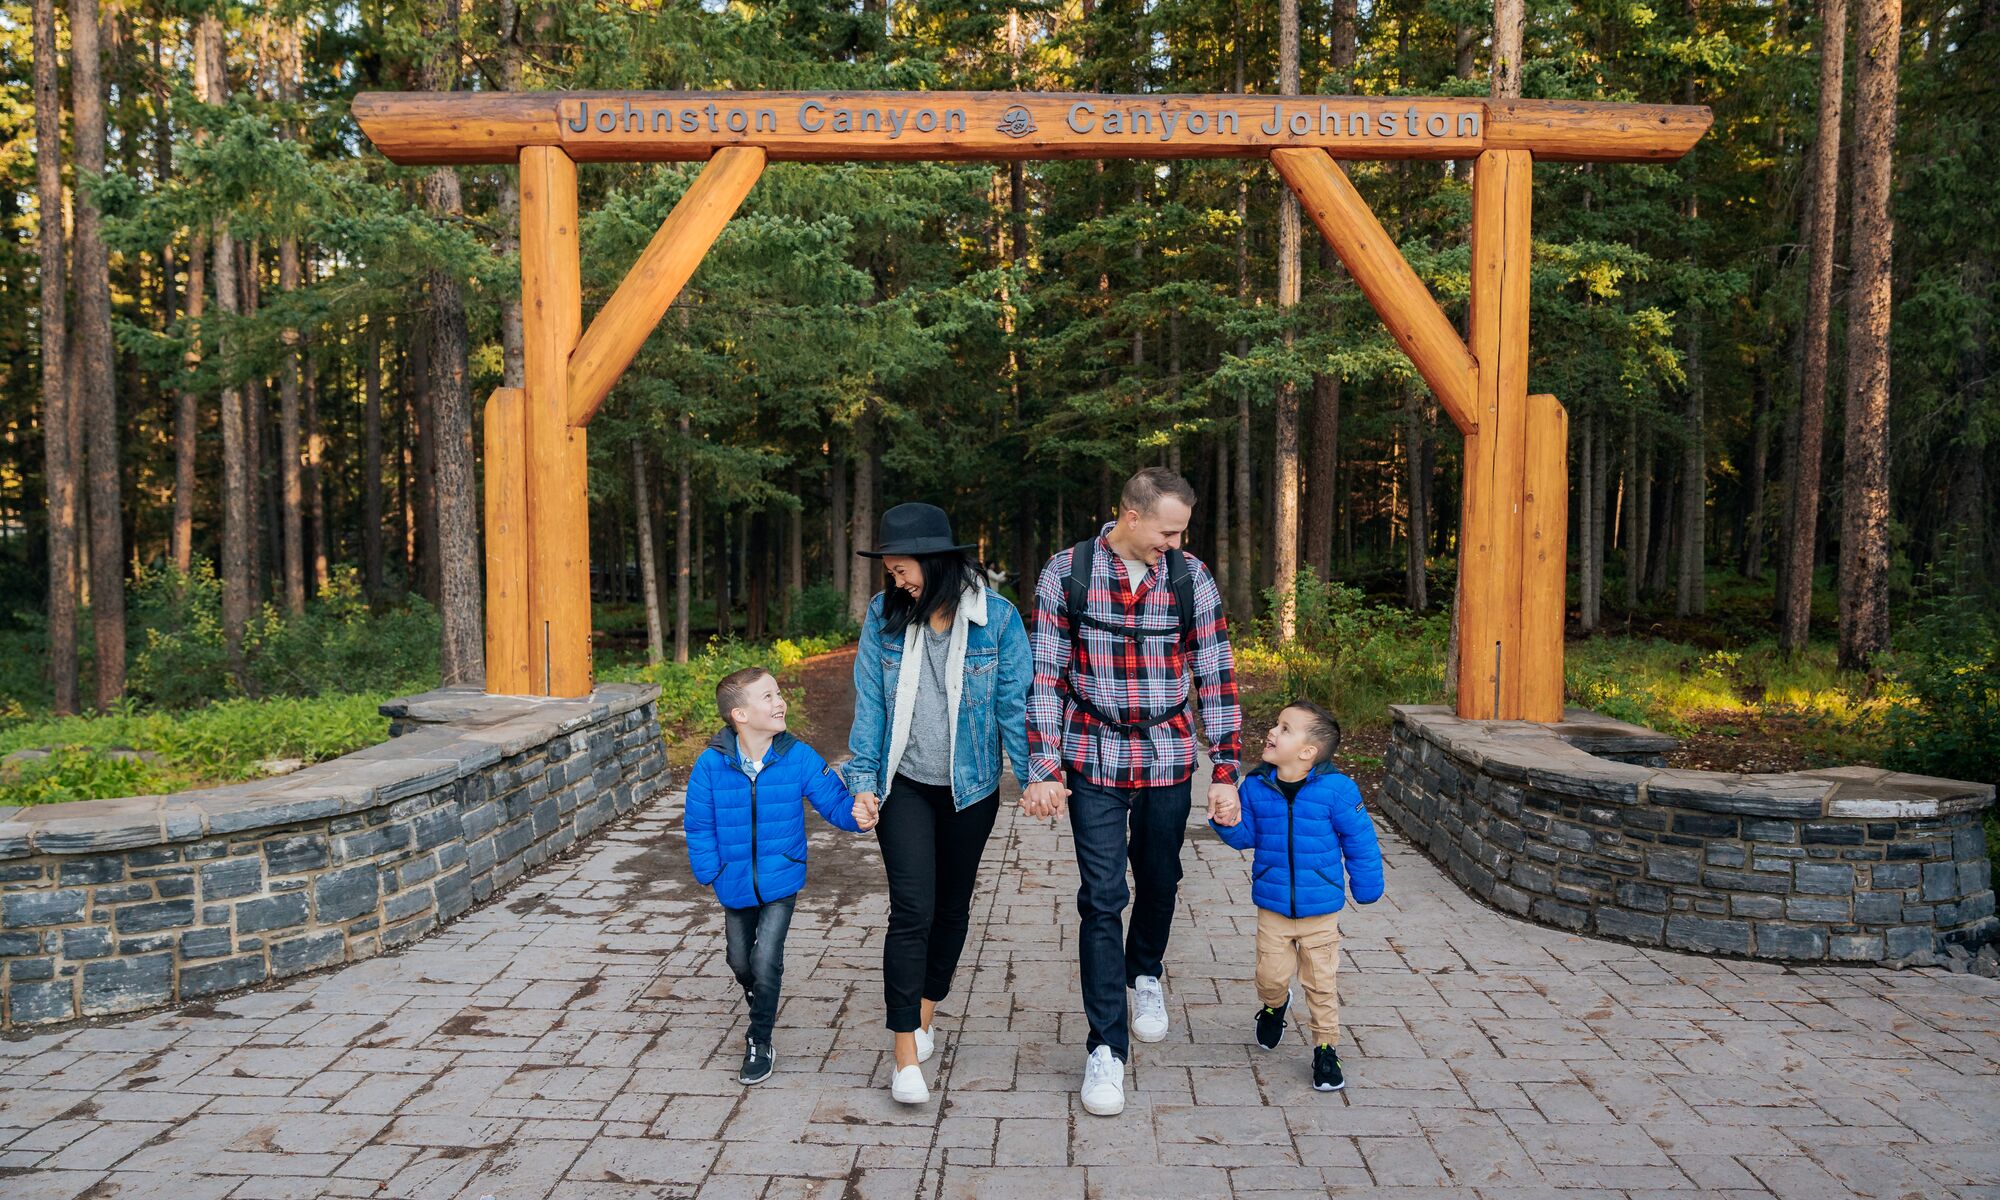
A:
{"x":867,"y":810}
{"x":1224,"y":806}
{"x":1048,"y":798}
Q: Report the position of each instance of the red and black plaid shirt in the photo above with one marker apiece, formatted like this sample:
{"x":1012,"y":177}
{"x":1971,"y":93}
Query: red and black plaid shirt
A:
{"x":1130,"y":678}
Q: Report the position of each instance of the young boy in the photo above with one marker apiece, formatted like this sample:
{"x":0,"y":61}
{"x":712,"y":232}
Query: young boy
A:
{"x":1307,"y":825}
{"x":746,"y":838}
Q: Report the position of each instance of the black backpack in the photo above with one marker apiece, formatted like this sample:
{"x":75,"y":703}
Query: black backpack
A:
{"x":1076,"y":611}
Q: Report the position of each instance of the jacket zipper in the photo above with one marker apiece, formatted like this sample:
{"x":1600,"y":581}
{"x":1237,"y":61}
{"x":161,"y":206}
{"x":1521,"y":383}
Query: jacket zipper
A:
{"x":754,"y":889}
{"x":1291,"y":857}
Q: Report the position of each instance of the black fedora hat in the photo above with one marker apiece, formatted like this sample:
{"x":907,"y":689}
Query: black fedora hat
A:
{"x":913,"y":529}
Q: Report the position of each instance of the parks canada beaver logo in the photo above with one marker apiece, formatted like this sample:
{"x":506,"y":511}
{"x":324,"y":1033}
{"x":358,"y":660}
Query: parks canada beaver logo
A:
{"x":1017,"y":122}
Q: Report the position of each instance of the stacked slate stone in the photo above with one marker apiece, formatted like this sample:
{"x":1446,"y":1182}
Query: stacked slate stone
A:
{"x":1578,"y":826}
{"x":113,"y":906}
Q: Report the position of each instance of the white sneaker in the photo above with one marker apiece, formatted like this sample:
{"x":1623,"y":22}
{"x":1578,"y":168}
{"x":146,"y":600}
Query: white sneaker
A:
{"x":1103,"y":1083}
{"x":907,"y":1085}
{"x":926,"y":1044}
{"x":1149,"y":1009}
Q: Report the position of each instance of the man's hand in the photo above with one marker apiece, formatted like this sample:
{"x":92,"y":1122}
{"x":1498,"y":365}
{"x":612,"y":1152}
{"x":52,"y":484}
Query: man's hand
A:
{"x":1224,"y":806}
{"x":1045,"y":799}
{"x":867,"y":810}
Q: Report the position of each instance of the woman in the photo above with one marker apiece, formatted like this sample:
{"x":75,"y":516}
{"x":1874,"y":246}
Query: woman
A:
{"x":941,"y":683}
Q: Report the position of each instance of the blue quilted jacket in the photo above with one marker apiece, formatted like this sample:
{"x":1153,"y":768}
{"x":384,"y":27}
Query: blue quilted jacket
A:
{"x":1304,"y":848}
{"x":746,"y":837}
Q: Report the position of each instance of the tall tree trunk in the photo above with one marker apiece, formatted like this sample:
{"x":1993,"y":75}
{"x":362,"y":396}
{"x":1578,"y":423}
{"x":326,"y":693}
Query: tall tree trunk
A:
{"x":187,"y":408}
{"x":371,"y":461}
{"x":1751,"y":564}
{"x":836,"y":516}
{"x":513,"y":361}
{"x":1637,"y":488}
{"x":1242,"y":597}
{"x":1224,"y":561}
{"x":1864,"y":525}
{"x":1416,"y":587}
{"x":315,"y":481}
{"x":462,"y":653}
{"x":291,"y":454}
{"x":1788,"y":473}
{"x":1323,"y":467}
{"x":649,"y":582}
{"x":423,"y":480}
{"x":1285,"y":426}
{"x":1821,"y":217}
{"x":1690,"y":590}
{"x":58,"y":447}
{"x":725,"y":618}
{"x":1600,"y":538}
{"x":97,"y":357}
{"x":683,"y":507}
{"x":1586,"y":482}
{"x":862,"y":579}
{"x":212,"y":83}
{"x":291,"y":451}
{"x":795,"y":557}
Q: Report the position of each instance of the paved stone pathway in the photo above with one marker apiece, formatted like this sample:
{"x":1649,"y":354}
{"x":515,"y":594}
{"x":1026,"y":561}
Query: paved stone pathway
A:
{"x":579,"y":1039}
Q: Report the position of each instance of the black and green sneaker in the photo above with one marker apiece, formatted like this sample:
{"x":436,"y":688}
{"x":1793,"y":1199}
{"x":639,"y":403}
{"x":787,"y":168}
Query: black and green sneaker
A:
{"x":1271,"y":1024}
{"x":757,"y":1063}
{"x":1326,"y":1070}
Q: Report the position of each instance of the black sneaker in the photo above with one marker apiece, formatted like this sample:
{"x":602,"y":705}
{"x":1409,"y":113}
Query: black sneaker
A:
{"x":1326,"y":1070}
{"x":1271,"y":1024}
{"x":757,"y":1063}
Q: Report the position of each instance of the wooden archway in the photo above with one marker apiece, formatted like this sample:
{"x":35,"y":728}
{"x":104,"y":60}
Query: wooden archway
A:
{"x":1516,"y":445}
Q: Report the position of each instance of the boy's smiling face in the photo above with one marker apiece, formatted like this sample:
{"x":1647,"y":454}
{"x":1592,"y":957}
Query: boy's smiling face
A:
{"x":762,"y":709}
{"x":1286,"y":745}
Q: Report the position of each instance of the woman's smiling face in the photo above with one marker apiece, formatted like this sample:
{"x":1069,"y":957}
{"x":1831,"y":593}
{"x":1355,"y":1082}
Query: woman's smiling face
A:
{"x":905,"y":574}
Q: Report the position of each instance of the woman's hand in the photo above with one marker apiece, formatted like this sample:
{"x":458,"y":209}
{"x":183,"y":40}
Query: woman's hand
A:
{"x":867,"y":810}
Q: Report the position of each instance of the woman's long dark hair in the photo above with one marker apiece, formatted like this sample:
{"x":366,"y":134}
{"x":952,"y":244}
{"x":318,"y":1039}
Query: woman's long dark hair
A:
{"x":947,"y":576}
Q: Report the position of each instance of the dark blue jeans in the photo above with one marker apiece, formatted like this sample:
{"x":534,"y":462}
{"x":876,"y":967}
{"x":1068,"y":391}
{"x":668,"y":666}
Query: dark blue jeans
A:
{"x":757,"y":955}
{"x":1145,"y":826}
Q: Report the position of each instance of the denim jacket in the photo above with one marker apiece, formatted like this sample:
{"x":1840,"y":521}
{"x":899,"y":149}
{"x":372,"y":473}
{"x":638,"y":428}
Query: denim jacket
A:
{"x":989,"y":698}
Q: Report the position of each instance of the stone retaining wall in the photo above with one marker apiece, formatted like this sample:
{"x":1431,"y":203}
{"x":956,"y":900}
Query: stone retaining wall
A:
{"x":113,"y":906}
{"x":1577,"y":825}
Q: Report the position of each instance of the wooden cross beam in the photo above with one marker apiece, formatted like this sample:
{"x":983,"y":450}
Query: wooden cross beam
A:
{"x":1514,"y":524}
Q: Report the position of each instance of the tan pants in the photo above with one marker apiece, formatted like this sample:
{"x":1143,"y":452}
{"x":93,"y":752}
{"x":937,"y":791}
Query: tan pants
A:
{"x":1311,"y":947}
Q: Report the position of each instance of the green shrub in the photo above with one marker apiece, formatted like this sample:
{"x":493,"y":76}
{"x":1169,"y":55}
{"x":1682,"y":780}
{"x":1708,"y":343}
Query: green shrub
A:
{"x":1354,"y":658}
{"x":687,"y":690}
{"x":820,"y":611}
{"x":1946,"y":718}
{"x":336,"y":645}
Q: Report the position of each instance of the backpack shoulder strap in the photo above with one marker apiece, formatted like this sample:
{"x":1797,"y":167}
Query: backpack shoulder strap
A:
{"x":1181,"y":580}
{"x":1076,"y":585}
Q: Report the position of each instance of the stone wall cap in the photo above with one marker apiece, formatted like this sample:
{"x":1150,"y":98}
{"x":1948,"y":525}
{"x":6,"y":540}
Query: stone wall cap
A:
{"x":459,"y":731}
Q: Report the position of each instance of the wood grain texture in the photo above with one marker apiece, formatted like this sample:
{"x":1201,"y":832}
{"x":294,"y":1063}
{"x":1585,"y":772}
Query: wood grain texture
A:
{"x":492,"y":127}
{"x":557,"y":475}
{"x":509,"y":665}
{"x":663,"y":269}
{"x":1384,"y":276}
{"x":1490,"y":617}
{"x":1542,"y":554}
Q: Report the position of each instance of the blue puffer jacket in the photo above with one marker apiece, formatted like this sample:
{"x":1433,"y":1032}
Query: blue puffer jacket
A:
{"x":1303,"y":847}
{"x":747,"y":838}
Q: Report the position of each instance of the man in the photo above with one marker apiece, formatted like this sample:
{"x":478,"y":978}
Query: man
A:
{"x":1120,"y":622}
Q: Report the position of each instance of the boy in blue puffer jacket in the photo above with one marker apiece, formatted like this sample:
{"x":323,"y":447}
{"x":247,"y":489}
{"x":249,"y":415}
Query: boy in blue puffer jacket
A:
{"x":746,"y":838}
{"x":1307,"y":825}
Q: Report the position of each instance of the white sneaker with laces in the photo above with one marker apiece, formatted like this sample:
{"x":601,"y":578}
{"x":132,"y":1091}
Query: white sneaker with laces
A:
{"x":907,"y":1085}
{"x":1103,"y":1083}
{"x":1149,"y":1009}
{"x":926,"y":1044}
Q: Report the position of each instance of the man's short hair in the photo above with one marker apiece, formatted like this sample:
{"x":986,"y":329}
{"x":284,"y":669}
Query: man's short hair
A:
{"x":1322,"y":730}
{"x":732,"y":691}
{"x":1144,"y":491}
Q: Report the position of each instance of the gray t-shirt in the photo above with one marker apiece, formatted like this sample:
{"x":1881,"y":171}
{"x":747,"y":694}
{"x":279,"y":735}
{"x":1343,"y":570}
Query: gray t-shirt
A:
{"x":927,"y":755}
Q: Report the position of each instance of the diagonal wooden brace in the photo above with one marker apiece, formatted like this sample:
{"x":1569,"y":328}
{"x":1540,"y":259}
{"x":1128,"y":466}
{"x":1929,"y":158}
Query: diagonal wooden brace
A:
{"x":1384,"y":276}
{"x":663,"y":269}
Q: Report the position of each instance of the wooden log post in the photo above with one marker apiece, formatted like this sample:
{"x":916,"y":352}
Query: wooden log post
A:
{"x":509,"y":663}
{"x":1510,"y":612}
{"x":557,"y":470}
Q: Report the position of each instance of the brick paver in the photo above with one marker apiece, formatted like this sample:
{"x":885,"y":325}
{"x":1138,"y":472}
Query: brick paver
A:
{"x":579,"y":1039}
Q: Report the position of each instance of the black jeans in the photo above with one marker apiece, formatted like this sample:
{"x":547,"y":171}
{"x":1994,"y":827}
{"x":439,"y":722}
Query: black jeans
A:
{"x":931,"y":852}
{"x":757,"y":955}
{"x":1100,"y":818}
